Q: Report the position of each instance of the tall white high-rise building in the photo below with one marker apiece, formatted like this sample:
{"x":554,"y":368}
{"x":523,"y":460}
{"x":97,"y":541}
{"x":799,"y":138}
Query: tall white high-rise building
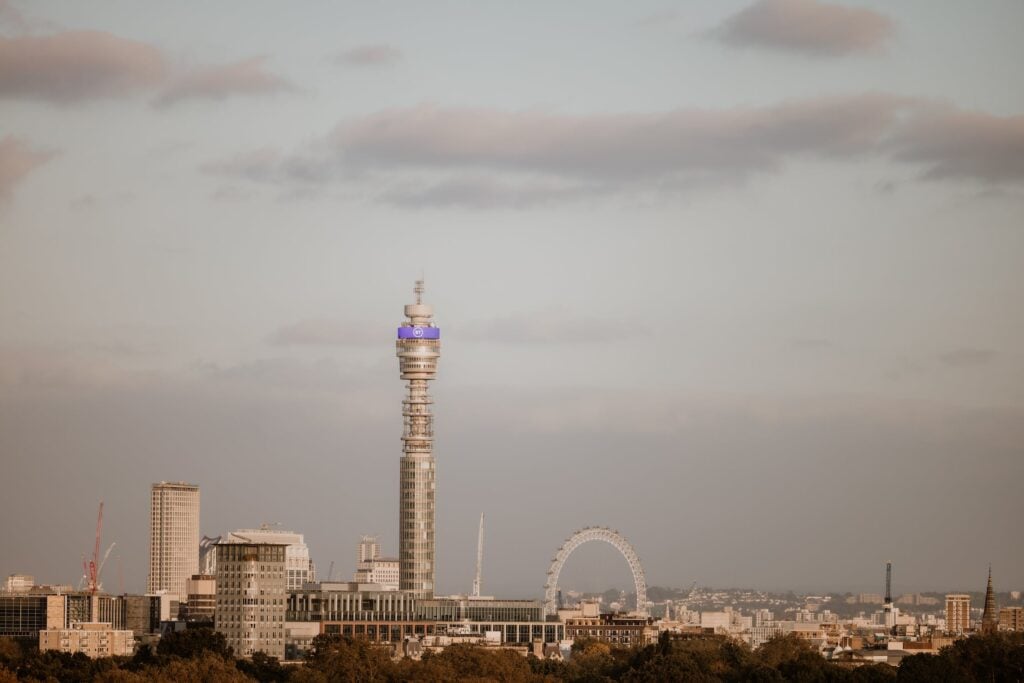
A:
{"x":173,"y":537}
{"x":418,"y":348}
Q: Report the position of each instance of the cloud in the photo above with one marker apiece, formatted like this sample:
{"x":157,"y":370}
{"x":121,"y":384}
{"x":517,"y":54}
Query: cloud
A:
{"x":484,"y":192}
{"x":17,"y":160}
{"x":552,"y":326}
{"x":806,"y":26}
{"x":77,"y":65}
{"x":957,"y":144}
{"x":967,"y":357}
{"x":689,"y":142}
{"x":435,"y":156}
{"x":246,"y":77}
{"x":370,"y":55}
{"x":329,"y":332}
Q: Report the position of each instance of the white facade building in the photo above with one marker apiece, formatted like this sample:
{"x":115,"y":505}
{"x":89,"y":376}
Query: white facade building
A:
{"x":173,"y":537}
{"x":372,"y":568}
{"x":19,"y":583}
{"x":719,"y":621}
{"x":382,"y":570}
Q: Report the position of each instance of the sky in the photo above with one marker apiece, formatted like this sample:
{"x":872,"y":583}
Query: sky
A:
{"x":742,"y":280}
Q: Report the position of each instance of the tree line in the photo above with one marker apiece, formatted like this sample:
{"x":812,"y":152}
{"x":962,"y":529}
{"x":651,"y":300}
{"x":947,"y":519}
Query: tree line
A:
{"x":202,"y":655}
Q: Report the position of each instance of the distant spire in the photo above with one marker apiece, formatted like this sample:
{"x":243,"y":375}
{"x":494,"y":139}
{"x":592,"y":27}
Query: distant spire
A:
{"x":989,"y":621}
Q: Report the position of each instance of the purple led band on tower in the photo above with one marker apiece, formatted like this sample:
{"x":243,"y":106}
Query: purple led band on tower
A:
{"x":419,"y":332}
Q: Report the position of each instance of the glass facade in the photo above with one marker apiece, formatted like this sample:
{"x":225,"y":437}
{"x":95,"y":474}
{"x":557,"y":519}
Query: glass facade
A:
{"x":22,"y":616}
{"x":452,"y":609}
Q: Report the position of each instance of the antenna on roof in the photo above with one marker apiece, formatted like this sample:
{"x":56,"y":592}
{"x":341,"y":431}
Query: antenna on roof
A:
{"x":419,"y":290}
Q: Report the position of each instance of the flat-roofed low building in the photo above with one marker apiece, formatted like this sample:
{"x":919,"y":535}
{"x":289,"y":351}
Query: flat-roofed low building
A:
{"x":369,"y":611}
{"x":23,"y":615}
{"x":19,"y":583}
{"x":383,"y":571}
{"x":615,"y":629}
{"x":372,"y":568}
{"x":719,"y":621}
{"x":95,"y":640}
{"x":349,"y":608}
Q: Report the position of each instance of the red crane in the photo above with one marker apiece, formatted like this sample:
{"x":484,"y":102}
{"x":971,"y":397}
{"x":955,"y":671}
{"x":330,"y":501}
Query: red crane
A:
{"x":92,"y":571}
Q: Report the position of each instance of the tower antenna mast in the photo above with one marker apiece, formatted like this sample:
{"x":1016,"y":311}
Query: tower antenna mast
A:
{"x":479,"y":558}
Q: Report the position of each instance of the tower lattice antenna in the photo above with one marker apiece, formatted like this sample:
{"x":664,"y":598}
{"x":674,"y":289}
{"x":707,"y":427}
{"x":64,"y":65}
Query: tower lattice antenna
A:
{"x":419,"y":290}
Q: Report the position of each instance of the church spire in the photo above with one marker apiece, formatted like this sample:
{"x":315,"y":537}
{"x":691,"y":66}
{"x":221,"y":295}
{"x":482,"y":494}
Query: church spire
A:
{"x":989,"y":620}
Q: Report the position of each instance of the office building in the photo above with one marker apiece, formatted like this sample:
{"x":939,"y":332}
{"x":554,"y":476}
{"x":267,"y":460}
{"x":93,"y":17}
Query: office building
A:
{"x":382,"y":571}
{"x":23,"y":615}
{"x":958,"y":613}
{"x":372,"y":568}
{"x":251,"y":598}
{"x":298,"y":565}
{"x":365,"y":611}
{"x":173,"y":537}
{"x":201,"y":601}
{"x":418,"y":348}
{"x":141,"y":614}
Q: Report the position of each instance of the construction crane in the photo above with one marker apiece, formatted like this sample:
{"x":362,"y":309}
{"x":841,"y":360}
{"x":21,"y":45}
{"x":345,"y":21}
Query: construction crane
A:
{"x":479,"y":558}
{"x":103,"y":563}
{"x":91,"y":568}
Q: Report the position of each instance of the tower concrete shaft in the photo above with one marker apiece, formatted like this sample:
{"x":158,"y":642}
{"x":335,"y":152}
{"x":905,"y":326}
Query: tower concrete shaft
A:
{"x":418,"y":348}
